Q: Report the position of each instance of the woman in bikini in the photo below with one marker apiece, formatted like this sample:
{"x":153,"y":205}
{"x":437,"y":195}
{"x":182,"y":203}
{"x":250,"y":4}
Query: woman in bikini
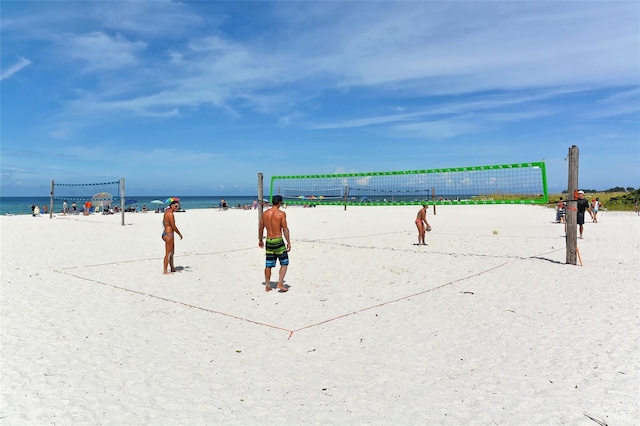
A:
{"x":421,"y":223}
{"x":169,"y":224}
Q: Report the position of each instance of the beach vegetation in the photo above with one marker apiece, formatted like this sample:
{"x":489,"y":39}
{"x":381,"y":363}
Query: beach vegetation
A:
{"x":623,"y":199}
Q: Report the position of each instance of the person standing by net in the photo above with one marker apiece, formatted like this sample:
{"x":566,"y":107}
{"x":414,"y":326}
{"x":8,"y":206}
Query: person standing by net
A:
{"x":275,"y":220}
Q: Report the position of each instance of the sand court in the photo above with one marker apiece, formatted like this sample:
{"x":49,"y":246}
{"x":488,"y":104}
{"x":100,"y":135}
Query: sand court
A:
{"x":473,"y":328}
{"x":331,"y":274}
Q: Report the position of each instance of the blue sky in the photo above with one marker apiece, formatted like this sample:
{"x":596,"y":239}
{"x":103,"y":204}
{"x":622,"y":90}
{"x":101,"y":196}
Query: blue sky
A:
{"x":196,"y":98}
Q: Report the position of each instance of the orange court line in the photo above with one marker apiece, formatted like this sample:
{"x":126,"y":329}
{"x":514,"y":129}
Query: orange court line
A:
{"x":155,"y":258}
{"x":189,"y":305}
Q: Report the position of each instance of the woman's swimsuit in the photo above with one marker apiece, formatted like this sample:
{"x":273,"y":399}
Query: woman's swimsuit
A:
{"x":165,"y":233}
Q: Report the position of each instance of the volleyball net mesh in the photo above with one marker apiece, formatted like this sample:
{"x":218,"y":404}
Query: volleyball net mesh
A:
{"x":99,"y":195}
{"x":522,"y":183}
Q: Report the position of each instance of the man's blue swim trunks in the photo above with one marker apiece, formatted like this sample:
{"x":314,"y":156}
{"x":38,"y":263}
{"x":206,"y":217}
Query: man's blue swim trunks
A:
{"x":276,"y":249}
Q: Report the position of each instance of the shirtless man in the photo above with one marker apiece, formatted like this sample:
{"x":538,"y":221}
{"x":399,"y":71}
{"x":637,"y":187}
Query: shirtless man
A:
{"x":169,"y":224}
{"x":421,"y":222}
{"x":275,"y":220}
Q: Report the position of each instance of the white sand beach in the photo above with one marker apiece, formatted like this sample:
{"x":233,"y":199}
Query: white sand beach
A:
{"x":475,"y":328}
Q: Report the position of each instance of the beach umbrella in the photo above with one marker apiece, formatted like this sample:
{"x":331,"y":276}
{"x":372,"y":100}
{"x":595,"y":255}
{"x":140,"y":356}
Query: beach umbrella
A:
{"x":157,"y":202}
{"x":102,"y":199}
{"x":126,"y":203}
{"x":172,"y":199}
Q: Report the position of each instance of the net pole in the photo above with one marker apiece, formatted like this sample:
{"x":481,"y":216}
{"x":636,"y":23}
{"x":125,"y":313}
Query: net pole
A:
{"x":572,"y":211}
{"x":545,"y":188}
{"x":433,"y":197}
{"x":346,"y":194}
{"x":260,"y":197}
{"x":51,"y":200}
{"x":121,"y":199}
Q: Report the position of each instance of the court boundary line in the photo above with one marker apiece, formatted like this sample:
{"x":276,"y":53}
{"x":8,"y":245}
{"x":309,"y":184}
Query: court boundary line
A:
{"x":166,"y":299}
{"x":309,"y":326}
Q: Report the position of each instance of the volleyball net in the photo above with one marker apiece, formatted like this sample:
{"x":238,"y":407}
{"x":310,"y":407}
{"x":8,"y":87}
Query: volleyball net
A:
{"x":92,"y":197}
{"x":522,"y":183}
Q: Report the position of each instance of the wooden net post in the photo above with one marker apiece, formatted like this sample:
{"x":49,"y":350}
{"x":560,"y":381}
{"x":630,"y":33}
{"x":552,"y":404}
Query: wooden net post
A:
{"x":260,"y":196}
{"x":51,"y":200}
{"x":571,"y":216}
{"x":346,"y":195}
{"x":433,"y":192}
{"x":121,"y":199}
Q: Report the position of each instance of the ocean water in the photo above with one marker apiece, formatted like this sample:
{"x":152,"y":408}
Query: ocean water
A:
{"x":22,"y":205}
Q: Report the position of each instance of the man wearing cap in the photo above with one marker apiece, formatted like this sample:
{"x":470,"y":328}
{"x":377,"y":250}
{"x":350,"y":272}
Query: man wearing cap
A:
{"x":582,"y":206}
{"x":275,"y":220}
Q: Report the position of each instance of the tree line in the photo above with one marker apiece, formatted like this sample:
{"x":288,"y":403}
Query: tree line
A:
{"x":615,"y":189}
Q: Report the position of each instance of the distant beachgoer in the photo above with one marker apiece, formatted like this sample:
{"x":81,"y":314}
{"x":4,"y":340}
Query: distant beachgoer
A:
{"x":169,"y":223}
{"x":561,"y":211}
{"x":582,"y":206}
{"x":144,"y":208}
{"x":44,"y":209}
{"x":595,"y":206}
{"x":74,"y":207}
{"x":255,"y":204}
{"x":36,"y":211}
{"x":275,"y":221}
{"x":33,"y":209}
{"x":65,"y":208}
{"x":422,"y":224}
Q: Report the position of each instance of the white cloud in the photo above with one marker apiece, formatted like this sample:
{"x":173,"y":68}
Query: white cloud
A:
{"x":419,"y":48}
{"x":22,"y":63}
{"x":153,"y":18}
{"x":436,"y":129}
{"x":462,"y":47}
{"x":103,"y":52}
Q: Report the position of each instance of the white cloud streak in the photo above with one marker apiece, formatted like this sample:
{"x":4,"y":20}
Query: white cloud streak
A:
{"x":422,"y":48}
{"x":102,"y":52}
{"x":22,"y":63}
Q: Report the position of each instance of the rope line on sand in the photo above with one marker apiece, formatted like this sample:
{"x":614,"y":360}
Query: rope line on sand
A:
{"x":177,"y":302}
{"x":388,"y":302}
{"x":332,"y":241}
{"x":291,"y":332}
{"x":420,"y":292}
{"x":155,"y":258}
